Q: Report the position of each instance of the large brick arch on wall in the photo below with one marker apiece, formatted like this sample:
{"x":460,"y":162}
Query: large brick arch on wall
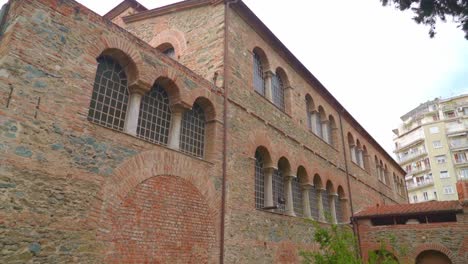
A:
{"x":160,"y":206}
{"x":432,"y":246}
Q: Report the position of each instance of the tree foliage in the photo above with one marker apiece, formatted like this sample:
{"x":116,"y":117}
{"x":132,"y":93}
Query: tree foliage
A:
{"x":338,"y":245}
{"x":427,"y":12}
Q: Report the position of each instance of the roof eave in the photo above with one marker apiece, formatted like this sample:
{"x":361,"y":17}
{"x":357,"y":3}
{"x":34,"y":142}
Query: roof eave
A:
{"x":122,"y":7}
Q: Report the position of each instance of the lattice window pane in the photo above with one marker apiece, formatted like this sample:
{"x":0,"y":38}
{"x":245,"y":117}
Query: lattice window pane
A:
{"x":339,"y":209}
{"x":259,"y":80}
{"x":259,"y":181}
{"x":313,"y":202}
{"x":297,"y":196}
{"x":192,"y":136}
{"x":278,"y":191}
{"x":155,"y":116}
{"x":108,"y":105}
{"x":326,"y":205}
{"x":277,"y":91}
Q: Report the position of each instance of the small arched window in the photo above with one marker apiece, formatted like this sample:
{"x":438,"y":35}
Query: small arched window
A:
{"x":277,"y":90}
{"x":326,"y":204}
{"x":313,"y":202}
{"x":155,"y":116}
{"x":297,"y":196}
{"x":278,"y":191}
{"x":108,"y":105}
{"x":259,"y":181}
{"x":167,"y":49}
{"x":259,"y":80}
{"x":309,"y":111}
{"x":192,"y":135}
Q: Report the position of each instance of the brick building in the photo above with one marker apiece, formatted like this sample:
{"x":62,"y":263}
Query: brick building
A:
{"x":433,"y":232}
{"x":183,"y":134}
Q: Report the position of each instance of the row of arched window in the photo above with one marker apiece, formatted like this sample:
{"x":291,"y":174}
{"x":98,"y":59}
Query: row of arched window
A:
{"x":149,"y":115}
{"x":271,"y":86}
{"x":278,"y":189}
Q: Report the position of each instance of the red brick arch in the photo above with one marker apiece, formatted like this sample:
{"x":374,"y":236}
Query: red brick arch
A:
{"x":432,"y":246}
{"x":174,"y":37}
{"x":146,"y":168}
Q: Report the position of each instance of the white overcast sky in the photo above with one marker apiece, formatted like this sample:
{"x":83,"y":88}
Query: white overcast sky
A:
{"x":376,"y":61}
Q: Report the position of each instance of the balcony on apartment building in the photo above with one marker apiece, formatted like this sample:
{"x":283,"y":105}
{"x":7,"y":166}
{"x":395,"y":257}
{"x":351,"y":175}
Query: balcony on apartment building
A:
{"x":402,"y":158}
{"x":420,"y":184}
{"x":410,"y":140}
{"x":413,"y":170}
{"x":459,"y":144}
{"x":460,"y":159}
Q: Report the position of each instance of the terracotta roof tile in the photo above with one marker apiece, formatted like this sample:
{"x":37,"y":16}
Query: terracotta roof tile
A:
{"x":410,"y":209}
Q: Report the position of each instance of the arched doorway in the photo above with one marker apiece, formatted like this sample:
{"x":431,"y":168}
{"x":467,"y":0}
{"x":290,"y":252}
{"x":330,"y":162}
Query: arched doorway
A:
{"x":164,"y":219}
{"x":432,"y":257}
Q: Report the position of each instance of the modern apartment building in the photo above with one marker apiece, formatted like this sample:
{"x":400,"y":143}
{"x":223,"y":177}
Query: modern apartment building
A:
{"x":431,"y":145}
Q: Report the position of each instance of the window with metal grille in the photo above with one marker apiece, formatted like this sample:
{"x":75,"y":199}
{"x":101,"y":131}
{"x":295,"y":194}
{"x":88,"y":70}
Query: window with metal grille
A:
{"x":277,"y":91}
{"x":338,"y":209}
{"x":192,"y":135}
{"x":259,"y":181}
{"x":155,"y":116}
{"x":259,"y":80}
{"x":108,"y":105}
{"x":326,"y":204}
{"x":297,"y":196}
{"x":278,"y":191}
{"x":313,"y":202}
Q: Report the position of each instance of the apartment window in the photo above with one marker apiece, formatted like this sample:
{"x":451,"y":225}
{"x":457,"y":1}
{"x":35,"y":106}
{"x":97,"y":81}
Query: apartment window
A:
{"x":425,"y":196}
{"x":415,"y":198}
{"x":464,"y":173}
{"x":434,"y":130}
{"x":465,"y":110}
{"x":436,"y":144}
{"x":448,"y":189}
{"x":449,"y":114}
{"x":444,"y":174}
{"x":460,"y":157}
{"x":108,"y":106}
{"x":440,"y":159}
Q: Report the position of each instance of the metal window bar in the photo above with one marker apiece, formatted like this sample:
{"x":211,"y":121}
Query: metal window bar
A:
{"x":338,"y":209}
{"x":259,"y":181}
{"x":192,"y":136}
{"x":108,"y":105}
{"x":259,"y":80}
{"x":155,"y":116}
{"x":326,"y":205}
{"x":313,"y":203}
{"x":297,"y":196}
{"x":278,"y":191}
{"x":277,"y":91}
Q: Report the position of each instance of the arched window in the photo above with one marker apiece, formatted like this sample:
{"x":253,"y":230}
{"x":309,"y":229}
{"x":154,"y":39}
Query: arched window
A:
{"x":108,"y":105}
{"x":259,"y":80}
{"x":167,"y":49}
{"x":339,"y":204}
{"x":278,"y":191}
{"x":313,"y":200}
{"x":277,"y":90}
{"x":259,"y":181}
{"x":326,"y":204}
{"x":333,"y":129}
{"x":192,"y":135}
{"x":352,"y":148}
{"x":297,"y":196}
{"x":155,"y":116}
{"x":309,"y":111}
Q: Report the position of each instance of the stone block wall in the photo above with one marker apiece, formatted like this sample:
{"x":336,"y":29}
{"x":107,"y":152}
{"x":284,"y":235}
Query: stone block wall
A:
{"x":75,"y":192}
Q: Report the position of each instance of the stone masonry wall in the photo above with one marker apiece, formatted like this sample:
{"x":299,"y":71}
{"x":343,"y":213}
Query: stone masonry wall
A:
{"x":63,"y":180}
{"x":197,"y":35}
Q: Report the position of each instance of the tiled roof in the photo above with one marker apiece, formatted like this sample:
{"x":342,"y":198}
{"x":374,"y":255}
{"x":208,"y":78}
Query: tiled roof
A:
{"x":410,"y":209}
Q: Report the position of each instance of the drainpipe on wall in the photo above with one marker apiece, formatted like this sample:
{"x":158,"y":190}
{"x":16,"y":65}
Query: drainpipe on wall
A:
{"x":353,"y":221}
{"x":225,"y":126}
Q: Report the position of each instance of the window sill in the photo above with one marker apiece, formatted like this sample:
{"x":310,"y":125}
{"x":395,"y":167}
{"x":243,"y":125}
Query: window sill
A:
{"x":321,"y":139}
{"x":271,"y":103}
